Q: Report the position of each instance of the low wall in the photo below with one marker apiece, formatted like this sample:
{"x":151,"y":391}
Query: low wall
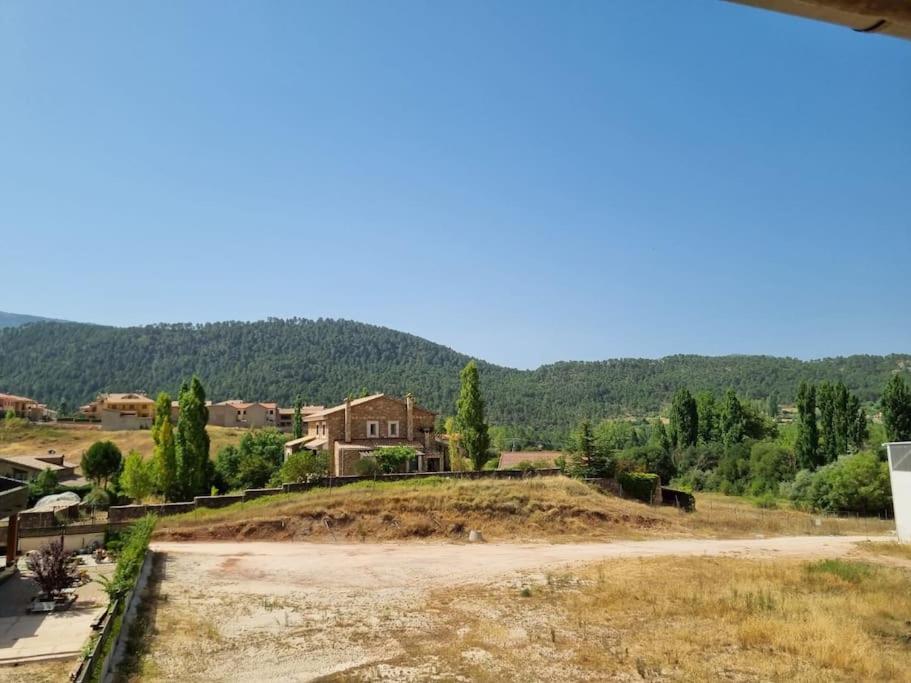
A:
{"x":41,"y":519}
{"x":218,"y":501}
{"x":122,"y":513}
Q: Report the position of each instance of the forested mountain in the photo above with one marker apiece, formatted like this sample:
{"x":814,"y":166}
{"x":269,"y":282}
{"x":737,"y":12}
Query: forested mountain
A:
{"x":16,"y":319}
{"x":65,"y":364}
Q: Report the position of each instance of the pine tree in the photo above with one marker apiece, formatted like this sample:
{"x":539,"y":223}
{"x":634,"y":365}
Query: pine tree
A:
{"x":825,"y":401}
{"x":473,"y":436}
{"x":807,"y":446}
{"x":896,"y":407}
{"x":165,"y":454}
{"x":298,"y":424}
{"x":586,"y":464}
{"x":193,"y":466}
{"x":732,"y":420}
{"x":684,"y":419}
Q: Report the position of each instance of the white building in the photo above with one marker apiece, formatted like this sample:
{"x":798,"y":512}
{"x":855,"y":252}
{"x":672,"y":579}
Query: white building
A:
{"x":900,"y":476}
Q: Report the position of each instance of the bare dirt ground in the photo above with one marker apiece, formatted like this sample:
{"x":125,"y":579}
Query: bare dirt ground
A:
{"x":296,"y":611}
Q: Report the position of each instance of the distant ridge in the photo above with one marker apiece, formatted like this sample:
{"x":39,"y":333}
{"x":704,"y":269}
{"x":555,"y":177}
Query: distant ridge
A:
{"x":17,"y":319}
{"x":325,"y":360}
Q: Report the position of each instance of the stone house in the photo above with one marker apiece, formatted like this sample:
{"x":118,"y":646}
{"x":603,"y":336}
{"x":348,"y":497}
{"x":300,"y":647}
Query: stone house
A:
{"x":355,"y":428}
{"x":121,"y":411}
{"x":24,"y":407}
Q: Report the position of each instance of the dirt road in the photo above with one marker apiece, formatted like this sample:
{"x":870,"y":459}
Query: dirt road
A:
{"x":298,"y":611}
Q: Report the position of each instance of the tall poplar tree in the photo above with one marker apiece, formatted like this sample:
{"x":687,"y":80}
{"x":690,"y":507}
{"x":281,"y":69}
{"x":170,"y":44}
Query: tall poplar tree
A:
{"x":193,"y":466}
{"x":807,"y":446}
{"x":896,"y":407}
{"x":472,"y":428}
{"x":732,"y":420}
{"x":165,"y":454}
{"x":825,"y":401}
{"x":684,"y":419}
{"x":707,"y":414}
{"x":841,"y":399}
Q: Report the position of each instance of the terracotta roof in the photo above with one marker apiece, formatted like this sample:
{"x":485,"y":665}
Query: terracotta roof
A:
{"x":13,"y":397}
{"x":128,"y":398}
{"x":512,"y":459}
{"x":365,"y":399}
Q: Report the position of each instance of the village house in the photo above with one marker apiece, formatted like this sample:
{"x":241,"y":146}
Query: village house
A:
{"x":27,"y":467}
{"x":355,"y":428}
{"x":121,"y":411}
{"x":26,"y":408}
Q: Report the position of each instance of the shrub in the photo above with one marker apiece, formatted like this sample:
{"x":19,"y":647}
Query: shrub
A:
{"x":854,"y":483}
{"x":639,"y":485}
{"x":647,"y":459}
{"x":392,"y":459}
{"x":132,"y":554}
{"x":303,"y":467}
{"x":98,"y":498}
{"x":368,"y":467}
{"x":53,"y":568}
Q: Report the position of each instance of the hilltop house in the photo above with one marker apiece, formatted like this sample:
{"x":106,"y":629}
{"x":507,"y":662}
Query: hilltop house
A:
{"x":353,"y":429}
{"x":27,"y":408}
{"x":121,"y":411}
{"x":254,"y":415}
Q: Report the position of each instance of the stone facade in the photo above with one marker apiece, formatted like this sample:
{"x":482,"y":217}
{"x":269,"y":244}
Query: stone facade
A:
{"x":350,"y":430}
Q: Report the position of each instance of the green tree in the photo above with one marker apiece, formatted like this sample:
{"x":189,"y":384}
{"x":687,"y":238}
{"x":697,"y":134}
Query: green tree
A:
{"x":192,"y":441}
{"x":858,"y":432}
{"x":393,"y":458}
{"x":684,"y":429}
{"x":297,"y":429}
{"x":896,"y":407}
{"x":842,"y":400}
{"x":303,"y":467}
{"x":587,"y":460}
{"x":825,"y":402}
{"x":101,"y":462}
{"x":807,"y":445}
{"x":707,"y":414}
{"x":772,"y":405}
{"x":659,"y":436}
{"x":138,"y":478}
{"x":165,"y":452}
{"x":732,"y":423}
{"x":770,"y":464}
{"x":44,"y":484}
{"x":472,"y":428}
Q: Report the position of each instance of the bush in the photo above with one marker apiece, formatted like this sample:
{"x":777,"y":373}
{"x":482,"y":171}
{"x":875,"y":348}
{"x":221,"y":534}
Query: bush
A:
{"x":132,"y":554}
{"x":853,"y":483}
{"x":98,"y":498}
{"x":391,"y":459}
{"x":303,"y":467}
{"x":652,"y":459}
{"x":368,"y":467}
{"x":639,"y":485}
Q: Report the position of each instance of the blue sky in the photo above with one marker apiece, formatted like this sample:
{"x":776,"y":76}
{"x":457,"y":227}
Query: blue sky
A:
{"x":525,"y":182}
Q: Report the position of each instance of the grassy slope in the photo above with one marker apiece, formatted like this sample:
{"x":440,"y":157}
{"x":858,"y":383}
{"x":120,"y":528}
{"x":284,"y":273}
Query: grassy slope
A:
{"x":692,"y":619}
{"x":557,"y":509}
{"x":30,"y":439}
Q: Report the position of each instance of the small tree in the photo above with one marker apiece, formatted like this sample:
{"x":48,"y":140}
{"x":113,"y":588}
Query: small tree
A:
{"x":101,"y":462}
{"x":44,"y":484}
{"x":392,"y":458}
{"x":896,"y":406}
{"x":138,"y":478}
{"x":303,"y":467}
{"x":52,"y":567}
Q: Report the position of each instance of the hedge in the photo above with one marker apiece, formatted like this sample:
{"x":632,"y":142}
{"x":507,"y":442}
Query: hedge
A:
{"x":639,"y":485}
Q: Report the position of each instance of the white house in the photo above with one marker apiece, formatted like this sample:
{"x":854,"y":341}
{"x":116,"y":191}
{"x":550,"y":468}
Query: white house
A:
{"x":900,"y":476}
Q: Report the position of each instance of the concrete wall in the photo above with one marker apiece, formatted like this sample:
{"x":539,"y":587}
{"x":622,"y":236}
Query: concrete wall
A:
{"x":71,"y":541}
{"x":900,"y":476}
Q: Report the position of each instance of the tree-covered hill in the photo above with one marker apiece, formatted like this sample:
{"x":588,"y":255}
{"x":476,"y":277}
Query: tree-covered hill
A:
{"x":17,"y":319}
{"x":65,"y":364}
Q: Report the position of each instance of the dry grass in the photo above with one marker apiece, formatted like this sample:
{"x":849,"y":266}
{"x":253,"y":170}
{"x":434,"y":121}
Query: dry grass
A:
{"x":40,"y":672}
{"x":694,"y":619}
{"x":73,"y":440}
{"x":899,"y":551}
{"x":553,"y":508}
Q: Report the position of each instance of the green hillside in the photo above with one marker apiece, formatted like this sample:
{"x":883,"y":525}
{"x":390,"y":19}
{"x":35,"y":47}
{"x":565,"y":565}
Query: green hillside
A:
{"x":17,"y":319}
{"x":323,"y":360}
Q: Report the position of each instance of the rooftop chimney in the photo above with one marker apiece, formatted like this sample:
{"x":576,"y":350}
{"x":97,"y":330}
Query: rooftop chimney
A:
{"x":409,"y":416}
{"x":348,"y":419}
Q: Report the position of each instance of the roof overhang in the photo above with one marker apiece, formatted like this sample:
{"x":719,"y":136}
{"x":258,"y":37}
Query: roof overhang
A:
{"x":889,"y":17}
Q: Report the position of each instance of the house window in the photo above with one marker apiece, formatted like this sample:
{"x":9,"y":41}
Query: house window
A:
{"x":393,"y":428}
{"x":373,"y":429}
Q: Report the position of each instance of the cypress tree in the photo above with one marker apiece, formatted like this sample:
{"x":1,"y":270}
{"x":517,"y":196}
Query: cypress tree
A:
{"x":473,"y":436}
{"x":298,"y":425}
{"x":842,"y":418}
{"x":807,"y":447}
{"x":165,"y":455}
{"x":772,"y":405}
{"x":660,"y":438}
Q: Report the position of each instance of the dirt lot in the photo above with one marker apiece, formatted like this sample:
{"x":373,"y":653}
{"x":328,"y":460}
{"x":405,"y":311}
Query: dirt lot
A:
{"x":296,"y":611}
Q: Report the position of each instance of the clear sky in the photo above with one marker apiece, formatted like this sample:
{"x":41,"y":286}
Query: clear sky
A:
{"x":522,"y":181}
